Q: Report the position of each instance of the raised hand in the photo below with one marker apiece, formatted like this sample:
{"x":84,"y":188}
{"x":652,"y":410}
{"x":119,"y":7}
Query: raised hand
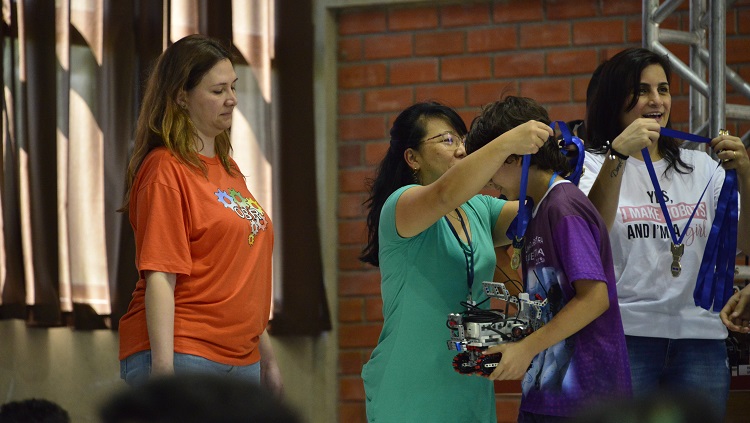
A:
{"x":526,"y":138}
{"x":641,"y":133}
{"x":732,"y":153}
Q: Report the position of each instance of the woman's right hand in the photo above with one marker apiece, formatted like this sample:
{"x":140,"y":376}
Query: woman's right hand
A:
{"x":526,"y":138}
{"x":162,"y":368}
{"x":640,"y":133}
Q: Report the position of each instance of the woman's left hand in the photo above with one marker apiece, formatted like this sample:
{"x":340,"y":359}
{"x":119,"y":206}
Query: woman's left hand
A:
{"x":270,"y":377}
{"x":732,"y":154}
{"x":736,"y":313}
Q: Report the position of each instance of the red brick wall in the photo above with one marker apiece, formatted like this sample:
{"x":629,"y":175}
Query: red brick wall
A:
{"x":465,"y":56}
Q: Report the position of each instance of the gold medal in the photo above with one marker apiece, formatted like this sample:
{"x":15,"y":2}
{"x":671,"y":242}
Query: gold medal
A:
{"x":515,"y":260}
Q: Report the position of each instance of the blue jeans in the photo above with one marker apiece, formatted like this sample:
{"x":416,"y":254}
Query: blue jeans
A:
{"x":135,"y":369}
{"x":697,"y":365}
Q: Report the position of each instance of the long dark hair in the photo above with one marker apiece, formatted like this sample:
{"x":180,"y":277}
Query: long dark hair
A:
{"x":407,"y":131}
{"x":501,"y":116}
{"x":618,"y":83}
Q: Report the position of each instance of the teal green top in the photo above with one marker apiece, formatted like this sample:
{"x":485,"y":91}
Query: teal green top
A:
{"x":410,"y":377}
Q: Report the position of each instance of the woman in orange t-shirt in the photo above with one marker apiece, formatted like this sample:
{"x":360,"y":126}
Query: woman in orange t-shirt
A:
{"x":203,"y":243}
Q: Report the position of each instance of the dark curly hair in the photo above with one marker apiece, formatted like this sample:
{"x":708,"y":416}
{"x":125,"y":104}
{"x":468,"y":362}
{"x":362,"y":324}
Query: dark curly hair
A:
{"x":501,"y":116}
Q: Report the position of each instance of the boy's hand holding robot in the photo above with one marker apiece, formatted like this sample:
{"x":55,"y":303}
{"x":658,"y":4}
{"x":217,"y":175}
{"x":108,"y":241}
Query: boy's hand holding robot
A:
{"x":475,"y":330}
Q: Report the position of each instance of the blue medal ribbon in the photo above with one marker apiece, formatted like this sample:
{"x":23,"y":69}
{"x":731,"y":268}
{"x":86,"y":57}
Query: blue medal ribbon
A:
{"x":570,"y":139}
{"x":660,"y":197}
{"x":716,"y":273}
{"x":521,"y":221}
{"x":669,"y":132}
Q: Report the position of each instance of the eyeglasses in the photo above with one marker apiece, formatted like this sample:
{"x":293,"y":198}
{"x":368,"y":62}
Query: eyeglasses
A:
{"x":448,"y":139}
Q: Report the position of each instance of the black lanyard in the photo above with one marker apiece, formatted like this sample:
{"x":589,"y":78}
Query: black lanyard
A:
{"x":468,"y":250}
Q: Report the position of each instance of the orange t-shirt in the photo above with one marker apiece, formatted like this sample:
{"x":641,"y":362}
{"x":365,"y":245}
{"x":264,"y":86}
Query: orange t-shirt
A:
{"x":219,"y":241}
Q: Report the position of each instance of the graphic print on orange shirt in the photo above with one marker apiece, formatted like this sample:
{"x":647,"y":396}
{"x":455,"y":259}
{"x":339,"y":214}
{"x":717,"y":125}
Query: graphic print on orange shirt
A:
{"x":246,"y":208}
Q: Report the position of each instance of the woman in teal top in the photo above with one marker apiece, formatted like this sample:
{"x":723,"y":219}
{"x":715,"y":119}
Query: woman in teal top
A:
{"x":433,"y":238}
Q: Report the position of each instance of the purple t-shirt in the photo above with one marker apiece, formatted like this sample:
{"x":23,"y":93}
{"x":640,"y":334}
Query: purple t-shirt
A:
{"x":566,"y":241}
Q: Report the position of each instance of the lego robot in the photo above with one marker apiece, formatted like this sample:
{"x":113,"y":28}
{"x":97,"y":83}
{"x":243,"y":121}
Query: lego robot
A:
{"x":475,"y":330}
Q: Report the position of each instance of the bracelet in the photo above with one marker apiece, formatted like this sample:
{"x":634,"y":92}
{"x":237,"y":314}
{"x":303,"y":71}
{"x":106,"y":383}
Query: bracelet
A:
{"x":612,"y":153}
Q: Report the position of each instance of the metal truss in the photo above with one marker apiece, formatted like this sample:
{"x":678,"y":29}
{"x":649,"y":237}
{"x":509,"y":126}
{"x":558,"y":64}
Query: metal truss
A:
{"x":707,"y":41}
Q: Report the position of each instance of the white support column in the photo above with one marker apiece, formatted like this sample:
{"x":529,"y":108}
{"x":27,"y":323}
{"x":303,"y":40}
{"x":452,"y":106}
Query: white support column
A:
{"x":707,"y":40}
{"x":698,"y":105}
{"x":718,"y":94}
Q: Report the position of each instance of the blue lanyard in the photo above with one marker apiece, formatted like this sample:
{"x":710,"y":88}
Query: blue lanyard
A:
{"x":527,"y":204}
{"x":716,"y":275}
{"x":569,"y":139}
{"x":669,"y":132}
{"x":468,"y":250}
{"x":677,"y":248}
{"x":524,"y":214}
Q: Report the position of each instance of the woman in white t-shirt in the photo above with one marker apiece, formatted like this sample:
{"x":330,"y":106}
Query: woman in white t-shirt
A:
{"x":672,"y":343}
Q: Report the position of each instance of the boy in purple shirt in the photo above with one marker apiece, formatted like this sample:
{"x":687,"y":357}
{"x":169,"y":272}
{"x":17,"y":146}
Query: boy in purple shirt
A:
{"x":579,"y":356}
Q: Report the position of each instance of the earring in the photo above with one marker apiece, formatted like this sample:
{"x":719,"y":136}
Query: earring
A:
{"x":416,"y":177}
{"x":183,"y":105}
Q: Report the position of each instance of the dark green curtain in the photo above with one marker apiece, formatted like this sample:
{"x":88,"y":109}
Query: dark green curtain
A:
{"x":74,"y":80}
